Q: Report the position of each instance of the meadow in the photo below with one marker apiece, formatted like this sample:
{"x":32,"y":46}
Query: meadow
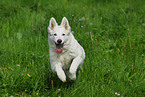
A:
{"x":112,"y":32}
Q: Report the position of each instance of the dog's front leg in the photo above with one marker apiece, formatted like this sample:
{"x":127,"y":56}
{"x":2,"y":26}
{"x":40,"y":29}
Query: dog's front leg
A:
{"x":73,"y":68}
{"x":60,"y":73}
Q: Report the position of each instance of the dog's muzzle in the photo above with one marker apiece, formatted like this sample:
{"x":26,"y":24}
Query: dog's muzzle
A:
{"x":59,"y":46}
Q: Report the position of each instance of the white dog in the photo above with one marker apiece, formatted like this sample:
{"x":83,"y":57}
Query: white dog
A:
{"x":64,"y":50}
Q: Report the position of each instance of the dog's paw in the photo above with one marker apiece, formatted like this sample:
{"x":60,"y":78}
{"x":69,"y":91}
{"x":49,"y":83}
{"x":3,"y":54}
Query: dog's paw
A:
{"x":62,"y":78}
{"x":72,"y":76}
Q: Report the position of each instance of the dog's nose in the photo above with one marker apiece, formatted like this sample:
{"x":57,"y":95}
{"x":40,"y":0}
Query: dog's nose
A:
{"x":59,"y":40}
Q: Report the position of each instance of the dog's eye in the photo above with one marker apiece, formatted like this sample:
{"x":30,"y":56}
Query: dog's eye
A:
{"x":63,"y":34}
{"x":54,"y":34}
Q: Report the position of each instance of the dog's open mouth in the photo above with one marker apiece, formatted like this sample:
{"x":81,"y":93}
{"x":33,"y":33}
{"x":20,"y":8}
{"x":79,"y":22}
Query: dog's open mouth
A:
{"x":59,"y":47}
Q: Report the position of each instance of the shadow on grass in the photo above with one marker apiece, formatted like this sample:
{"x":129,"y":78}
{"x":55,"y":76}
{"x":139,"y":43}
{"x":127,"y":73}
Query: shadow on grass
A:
{"x":54,"y":82}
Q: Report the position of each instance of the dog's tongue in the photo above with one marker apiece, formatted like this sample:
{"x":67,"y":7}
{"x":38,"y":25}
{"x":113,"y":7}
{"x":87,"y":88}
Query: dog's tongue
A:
{"x":59,"y":48}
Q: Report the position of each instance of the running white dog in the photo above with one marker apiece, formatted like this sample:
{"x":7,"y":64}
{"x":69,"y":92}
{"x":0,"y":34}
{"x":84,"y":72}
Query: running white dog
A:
{"x":64,"y":50}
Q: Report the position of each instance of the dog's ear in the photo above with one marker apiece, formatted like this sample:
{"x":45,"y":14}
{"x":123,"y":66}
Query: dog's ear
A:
{"x":52,"y":24}
{"x":65,"y":24}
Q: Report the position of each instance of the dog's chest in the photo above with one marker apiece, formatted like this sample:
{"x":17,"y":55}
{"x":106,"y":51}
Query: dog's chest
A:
{"x":66,"y":60}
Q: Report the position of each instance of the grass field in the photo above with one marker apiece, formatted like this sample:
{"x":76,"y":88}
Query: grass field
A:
{"x":112,"y":33}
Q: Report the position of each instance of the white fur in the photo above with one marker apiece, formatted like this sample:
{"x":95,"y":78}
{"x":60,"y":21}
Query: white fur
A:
{"x":72,"y":56}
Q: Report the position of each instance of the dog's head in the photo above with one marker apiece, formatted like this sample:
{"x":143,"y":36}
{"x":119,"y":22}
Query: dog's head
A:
{"x":59,"y":34}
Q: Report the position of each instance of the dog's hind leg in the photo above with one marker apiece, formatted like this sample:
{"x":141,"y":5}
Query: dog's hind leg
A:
{"x":73,"y":68}
{"x":60,"y":73}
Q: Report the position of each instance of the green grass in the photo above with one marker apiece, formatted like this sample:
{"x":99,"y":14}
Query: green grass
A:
{"x":112,"y":34}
